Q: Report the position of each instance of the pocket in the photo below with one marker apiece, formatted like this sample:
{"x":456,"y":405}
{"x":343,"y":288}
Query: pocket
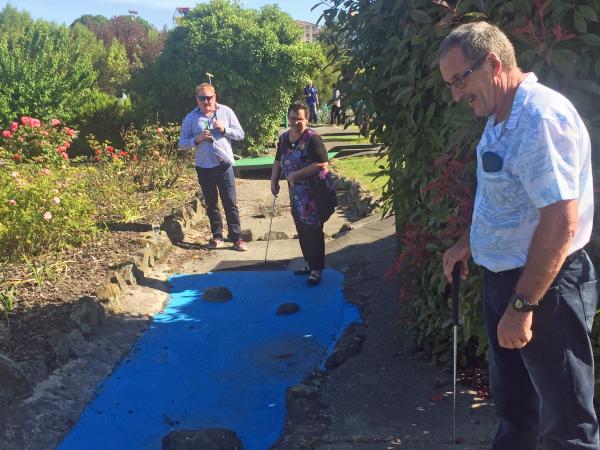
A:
{"x":589,"y":299}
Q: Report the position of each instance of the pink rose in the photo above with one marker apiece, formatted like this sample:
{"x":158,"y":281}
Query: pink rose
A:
{"x":64,"y":155}
{"x":6,"y":134}
{"x":24,"y":120}
{"x":160,"y":130}
{"x":46,"y":171}
{"x":14,"y":126}
{"x":47,"y":216}
{"x":55,"y":122}
{"x":12,"y":202}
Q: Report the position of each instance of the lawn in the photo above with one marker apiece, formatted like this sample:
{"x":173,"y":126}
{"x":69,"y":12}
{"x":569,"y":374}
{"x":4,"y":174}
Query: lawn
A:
{"x":362,"y":169}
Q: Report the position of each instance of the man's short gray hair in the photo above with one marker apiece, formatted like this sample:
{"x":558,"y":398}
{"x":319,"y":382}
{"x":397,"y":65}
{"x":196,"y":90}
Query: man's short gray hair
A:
{"x":477,"y":39}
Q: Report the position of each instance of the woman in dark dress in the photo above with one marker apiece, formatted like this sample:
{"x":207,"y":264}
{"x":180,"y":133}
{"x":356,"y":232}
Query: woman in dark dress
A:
{"x":301,"y":155}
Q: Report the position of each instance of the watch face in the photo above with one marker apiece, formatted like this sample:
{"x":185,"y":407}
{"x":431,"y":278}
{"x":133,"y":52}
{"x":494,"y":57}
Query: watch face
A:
{"x":518,"y":303}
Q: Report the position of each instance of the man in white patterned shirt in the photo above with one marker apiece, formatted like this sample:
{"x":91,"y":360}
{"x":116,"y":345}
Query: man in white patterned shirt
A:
{"x":532,"y":216}
{"x":209,"y":129}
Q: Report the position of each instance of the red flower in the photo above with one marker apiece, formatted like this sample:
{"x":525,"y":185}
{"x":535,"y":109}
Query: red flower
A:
{"x":55,"y":122}
{"x":6,"y":134}
{"x":17,"y":157}
{"x":14,"y":126}
{"x":24,"y":120}
{"x":123,"y":153}
{"x":64,"y":155}
{"x":109,"y":149}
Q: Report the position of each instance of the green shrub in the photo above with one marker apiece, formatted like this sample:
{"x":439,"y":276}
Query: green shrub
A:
{"x":43,"y":209}
{"x":390,"y":64}
{"x":158,"y":163}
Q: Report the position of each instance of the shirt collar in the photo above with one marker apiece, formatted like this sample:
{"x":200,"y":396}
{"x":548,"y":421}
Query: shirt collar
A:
{"x":519,"y":101}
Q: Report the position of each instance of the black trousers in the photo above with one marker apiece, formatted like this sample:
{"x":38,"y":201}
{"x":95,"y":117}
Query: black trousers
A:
{"x":546,"y":389}
{"x":217,"y":181}
{"x":312,"y":244}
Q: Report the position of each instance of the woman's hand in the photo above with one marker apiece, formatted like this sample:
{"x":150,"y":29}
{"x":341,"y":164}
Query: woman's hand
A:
{"x":291,"y":179}
{"x":275,"y":188}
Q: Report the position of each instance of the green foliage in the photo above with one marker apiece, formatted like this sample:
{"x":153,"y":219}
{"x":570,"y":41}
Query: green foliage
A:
{"x":32,"y":141}
{"x":43,"y":73}
{"x":7,"y":303}
{"x":158,"y":163}
{"x":43,"y":209}
{"x":257,"y":58}
{"x":389,"y":54}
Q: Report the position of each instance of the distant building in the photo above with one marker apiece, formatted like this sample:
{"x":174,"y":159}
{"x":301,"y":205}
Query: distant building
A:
{"x":310,"y":30}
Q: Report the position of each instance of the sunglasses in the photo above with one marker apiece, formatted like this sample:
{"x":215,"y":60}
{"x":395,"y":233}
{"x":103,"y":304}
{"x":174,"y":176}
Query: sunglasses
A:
{"x":460,"y":83}
{"x":205,"y":98}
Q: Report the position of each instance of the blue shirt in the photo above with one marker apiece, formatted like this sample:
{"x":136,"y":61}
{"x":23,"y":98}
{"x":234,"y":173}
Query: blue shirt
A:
{"x":211,"y":154}
{"x":312,"y":91}
{"x":539,"y":155}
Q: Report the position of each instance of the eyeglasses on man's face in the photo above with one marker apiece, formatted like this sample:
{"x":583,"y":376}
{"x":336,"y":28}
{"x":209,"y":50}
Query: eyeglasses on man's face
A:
{"x":460,"y":82}
{"x":205,"y":98}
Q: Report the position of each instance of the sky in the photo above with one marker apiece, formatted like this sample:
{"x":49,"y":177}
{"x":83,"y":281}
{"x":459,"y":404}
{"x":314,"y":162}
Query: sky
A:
{"x":157,"y":12}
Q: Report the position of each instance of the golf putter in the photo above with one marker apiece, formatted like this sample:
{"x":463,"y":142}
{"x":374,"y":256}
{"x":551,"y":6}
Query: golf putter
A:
{"x":270,"y":225}
{"x":455,"y":288}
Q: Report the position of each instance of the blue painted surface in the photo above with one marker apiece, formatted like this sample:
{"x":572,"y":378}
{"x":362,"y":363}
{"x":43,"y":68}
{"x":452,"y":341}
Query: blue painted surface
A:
{"x":223,"y":365}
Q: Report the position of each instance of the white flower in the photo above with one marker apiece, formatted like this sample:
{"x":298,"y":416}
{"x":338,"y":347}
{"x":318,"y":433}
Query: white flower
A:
{"x":47,"y":216}
{"x":56,"y":200}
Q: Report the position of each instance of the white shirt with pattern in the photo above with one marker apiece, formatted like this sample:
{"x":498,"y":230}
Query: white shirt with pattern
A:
{"x":546,"y":157}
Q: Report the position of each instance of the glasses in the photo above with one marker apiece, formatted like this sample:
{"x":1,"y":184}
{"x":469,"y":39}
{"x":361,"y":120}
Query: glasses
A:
{"x":459,"y":83}
{"x":205,"y":98}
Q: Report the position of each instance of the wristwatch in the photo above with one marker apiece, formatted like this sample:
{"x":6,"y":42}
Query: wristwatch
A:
{"x":520,"y":304}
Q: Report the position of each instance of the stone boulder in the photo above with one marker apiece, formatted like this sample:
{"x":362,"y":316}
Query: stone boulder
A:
{"x":204,"y":439}
{"x":13,"y":382}
{"x":88,"y":314}
{"x":217,"y":294}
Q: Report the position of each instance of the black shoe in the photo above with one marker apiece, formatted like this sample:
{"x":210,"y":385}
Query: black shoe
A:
{"x":304,"y":271}
{"x":313,"y":279}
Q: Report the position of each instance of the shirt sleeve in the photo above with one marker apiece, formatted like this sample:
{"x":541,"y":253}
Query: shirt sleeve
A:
{"x":549,"y":163}
{"x":278,"y":153}
{"x":186,"y":135}
{"x":316,"y":149}
{"x":233,"y":129}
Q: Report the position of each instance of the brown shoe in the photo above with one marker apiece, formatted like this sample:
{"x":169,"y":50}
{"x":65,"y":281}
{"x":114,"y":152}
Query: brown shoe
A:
{"x":240,"y":245}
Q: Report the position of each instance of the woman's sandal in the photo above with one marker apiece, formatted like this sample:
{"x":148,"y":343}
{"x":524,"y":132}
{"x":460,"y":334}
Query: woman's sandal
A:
{"x":313,"y":279}
{"x":304,"y":271}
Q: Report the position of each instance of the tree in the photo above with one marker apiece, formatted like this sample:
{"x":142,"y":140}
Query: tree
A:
{"x":142,"y":41}
{"x":257,"y":58}
{"x":13,"y":22}
{"x":43,"y":74}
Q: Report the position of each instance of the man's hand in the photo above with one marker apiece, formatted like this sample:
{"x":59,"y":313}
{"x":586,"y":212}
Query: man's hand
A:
{"x":514,"y":329}
{"x":275,"y":188}
{"x":459,"y":252}
{"x":219,"y":126}
{"x":206,"y":135}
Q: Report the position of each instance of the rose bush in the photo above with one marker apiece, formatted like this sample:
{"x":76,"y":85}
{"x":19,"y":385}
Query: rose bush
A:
{"x":32,"y":141}
{"x":43,"y":209}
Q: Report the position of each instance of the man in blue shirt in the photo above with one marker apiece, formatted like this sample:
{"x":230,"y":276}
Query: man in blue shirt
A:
{"x":209,"y":129}
{"x":532,"y":216}
{"x":311,"y":97}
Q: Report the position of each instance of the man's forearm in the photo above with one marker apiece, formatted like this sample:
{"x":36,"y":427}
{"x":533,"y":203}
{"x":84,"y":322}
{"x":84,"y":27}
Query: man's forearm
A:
{"x":548,"y":250}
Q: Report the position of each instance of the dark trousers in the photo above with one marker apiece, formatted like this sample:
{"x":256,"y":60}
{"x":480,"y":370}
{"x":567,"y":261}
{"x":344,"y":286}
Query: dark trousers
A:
{"x":335,"y":115}
{"x":220,"y":181}
{"x":312,"y":244}
{"x":546,"y":389}
{"x":312,"y":117}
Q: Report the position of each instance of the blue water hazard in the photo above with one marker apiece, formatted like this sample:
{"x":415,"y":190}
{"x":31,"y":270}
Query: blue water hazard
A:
{"x":217,"y":365}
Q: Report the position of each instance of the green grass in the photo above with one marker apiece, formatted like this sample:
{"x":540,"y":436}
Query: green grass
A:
{"x":362,"y":169}
{"x":353,"y":138}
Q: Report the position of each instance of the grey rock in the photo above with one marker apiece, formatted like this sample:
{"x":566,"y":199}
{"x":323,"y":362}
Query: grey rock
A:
{"x":88,"y":314}
{"x":4,"y":331}
{"x":288,"y":308}
{"x":302,"y":390}
{"x":217,"y":294}
{"x":274,"y":236}
{"x":348,"y":346}
{"x":174,"y":227}
{"x":13,"y":382}
{"x":247,"y":235}
{"x":204,"y":439}
{"x":67,"y":346}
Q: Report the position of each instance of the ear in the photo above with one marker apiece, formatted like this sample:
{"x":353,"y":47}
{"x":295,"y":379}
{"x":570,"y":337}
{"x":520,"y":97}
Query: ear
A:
{"x":495,"y":64}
